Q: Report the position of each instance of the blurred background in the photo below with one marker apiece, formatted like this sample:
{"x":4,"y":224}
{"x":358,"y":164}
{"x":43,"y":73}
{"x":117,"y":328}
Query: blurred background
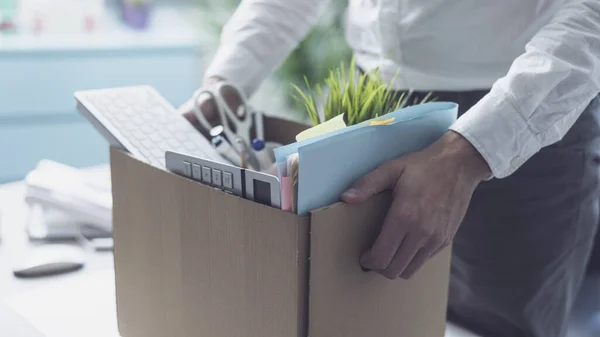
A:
{"x":51,"y":48}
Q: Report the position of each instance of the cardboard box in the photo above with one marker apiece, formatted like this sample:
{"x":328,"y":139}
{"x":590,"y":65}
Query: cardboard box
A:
{"x":193,"y":261}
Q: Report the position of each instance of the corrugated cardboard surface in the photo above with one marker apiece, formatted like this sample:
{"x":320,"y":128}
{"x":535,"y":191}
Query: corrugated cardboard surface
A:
{"x":283,"y":131}
{"x":348,"y":302}
{"x":193,"y":261}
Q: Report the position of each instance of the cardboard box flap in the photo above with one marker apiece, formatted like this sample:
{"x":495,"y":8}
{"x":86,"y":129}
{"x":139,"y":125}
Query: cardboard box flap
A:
{"x":345,"y":301}
{"x":281,"y":130}
{"x":191,"y":260}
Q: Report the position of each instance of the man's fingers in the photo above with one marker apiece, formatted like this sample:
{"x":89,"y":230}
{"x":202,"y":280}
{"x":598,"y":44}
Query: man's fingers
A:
{"x":422,"y":256}
{"x":232,"y":98}
{"x":191,"y":118}
{"x":388,"y":241}
{"x":378,"y":180}
{"x":439,"y":249}
{"x":382,"y":253}
{"x":407,"y":252}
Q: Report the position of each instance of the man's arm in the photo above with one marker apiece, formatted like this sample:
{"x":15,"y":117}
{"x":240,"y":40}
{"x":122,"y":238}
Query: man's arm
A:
{"x":259,"y":37}
{"x":544,"y":92}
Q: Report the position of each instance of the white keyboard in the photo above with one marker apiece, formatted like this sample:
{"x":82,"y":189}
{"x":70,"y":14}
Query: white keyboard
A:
{"x":140,"y":121}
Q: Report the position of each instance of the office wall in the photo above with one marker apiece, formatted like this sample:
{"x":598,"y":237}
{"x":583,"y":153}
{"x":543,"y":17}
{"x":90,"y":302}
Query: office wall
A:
{"x":39,"y":75}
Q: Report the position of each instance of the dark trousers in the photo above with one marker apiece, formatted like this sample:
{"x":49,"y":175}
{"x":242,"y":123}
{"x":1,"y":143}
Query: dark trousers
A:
{"x":522,"y":250}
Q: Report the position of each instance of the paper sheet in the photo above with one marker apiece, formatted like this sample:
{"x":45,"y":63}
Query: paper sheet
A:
{"x":80,"y":306}
{"x":333,"y":124}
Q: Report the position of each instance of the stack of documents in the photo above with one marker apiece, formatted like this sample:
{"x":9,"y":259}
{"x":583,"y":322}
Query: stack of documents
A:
{"x":86,"y":198}
{"x":329,"y":158}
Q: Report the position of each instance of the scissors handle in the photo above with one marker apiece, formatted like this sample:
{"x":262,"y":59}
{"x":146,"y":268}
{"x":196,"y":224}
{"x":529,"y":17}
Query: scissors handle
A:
{"x":198,"y":113}
{"x":242,"y":122}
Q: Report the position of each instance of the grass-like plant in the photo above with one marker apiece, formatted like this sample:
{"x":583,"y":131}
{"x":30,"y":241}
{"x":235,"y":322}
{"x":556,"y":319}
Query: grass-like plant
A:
{"x":360,"y":98}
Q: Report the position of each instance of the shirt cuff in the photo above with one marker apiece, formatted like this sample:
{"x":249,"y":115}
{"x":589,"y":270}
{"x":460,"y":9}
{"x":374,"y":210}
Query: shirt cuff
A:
{"x":238,"y":66}
{"x":499,"y":132}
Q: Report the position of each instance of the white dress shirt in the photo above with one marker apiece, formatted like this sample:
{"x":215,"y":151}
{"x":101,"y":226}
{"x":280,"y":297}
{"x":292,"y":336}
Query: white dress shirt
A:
{"x":540,"y":58}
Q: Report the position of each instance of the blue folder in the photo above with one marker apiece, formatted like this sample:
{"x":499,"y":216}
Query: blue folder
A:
{"x":332,"y":162}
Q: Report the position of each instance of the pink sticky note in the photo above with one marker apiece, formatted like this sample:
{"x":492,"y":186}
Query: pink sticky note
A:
{"x":286,"y":194}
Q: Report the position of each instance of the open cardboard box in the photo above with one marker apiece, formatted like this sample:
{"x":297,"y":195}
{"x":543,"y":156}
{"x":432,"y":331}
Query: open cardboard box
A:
{"x":191,"y":260}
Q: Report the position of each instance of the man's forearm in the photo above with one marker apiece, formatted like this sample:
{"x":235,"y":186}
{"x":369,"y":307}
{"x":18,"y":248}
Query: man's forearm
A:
{"x":259,"y":37}
{"x":543,"y":94}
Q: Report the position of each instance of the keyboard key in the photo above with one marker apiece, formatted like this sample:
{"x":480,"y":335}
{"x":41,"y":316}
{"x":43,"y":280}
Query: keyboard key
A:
{"x":187,"y":169}
{"x":206,"y":174}
{"x":216,"y":177}
{"x":164,"y":134}
{"x":127,"y":110}
{"x":196,"y":171}
{"x":160,"y":162}
{"x":119,"y":104}
{"x":145,"y":152}
{"x":148,"y":144}
{"x":157,"y":110}
{"x":189,"y":145}
{"x":153,"y":136}
{"x":121,"y":117}
{"x":138,"y":134}
{"x":162,"y":146}
{"x":113,"y":110}
{"x":172,"y":141}
{"x":173,"y":127}
{"x":156,"y":153}
{"x":228,"y":180}
{"x":128,"y":126}
{"x":137,"y":120}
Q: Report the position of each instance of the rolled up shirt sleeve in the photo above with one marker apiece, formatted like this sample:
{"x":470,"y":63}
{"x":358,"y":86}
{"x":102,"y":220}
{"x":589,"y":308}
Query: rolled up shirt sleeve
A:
{"x":544,"y":93}
{"x":260,"y":36}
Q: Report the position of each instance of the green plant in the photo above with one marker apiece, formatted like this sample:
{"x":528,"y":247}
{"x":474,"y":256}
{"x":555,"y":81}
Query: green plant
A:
{"x":359,"y":98}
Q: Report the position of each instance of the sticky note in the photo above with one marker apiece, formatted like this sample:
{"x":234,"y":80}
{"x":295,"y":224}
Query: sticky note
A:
{"x":333,"y":124}
{"x":286,"y":193}
{"x":384,"y":122}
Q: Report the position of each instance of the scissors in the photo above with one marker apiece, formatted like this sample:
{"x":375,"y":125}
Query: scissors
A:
{"x":235,"y":124}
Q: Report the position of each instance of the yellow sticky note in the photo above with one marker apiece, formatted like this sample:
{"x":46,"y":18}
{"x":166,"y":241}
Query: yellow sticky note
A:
{"x":333,"y":124}
{"x":384,"y":122}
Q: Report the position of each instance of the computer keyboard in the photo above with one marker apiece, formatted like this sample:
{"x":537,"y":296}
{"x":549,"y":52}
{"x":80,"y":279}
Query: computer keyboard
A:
{"x":140,"y":121}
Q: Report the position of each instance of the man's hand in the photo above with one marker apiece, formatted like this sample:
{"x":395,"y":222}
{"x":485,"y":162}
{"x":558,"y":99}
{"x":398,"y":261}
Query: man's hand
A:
{"x":208,"y":105}
{"x":431,"y":190}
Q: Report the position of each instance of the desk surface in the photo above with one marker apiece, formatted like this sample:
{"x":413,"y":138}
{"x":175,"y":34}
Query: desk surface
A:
{"x":13,"y":214}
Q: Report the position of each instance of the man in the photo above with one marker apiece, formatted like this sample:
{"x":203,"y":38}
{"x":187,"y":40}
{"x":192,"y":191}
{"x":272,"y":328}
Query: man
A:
{"x":513,"y":184}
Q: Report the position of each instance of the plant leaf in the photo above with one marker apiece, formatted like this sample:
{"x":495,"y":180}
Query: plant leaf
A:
{"x":359,"y":97}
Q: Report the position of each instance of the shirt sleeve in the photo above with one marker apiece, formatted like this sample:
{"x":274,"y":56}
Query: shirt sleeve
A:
{"x":260,"y":36}
{"x":544,"y":93}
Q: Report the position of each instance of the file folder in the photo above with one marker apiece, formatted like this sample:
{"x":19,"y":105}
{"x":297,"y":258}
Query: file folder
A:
{"x":331,"y":162}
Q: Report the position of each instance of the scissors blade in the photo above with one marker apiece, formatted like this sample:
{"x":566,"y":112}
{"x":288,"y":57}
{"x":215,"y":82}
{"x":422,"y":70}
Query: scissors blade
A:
{"x":259,"y":124}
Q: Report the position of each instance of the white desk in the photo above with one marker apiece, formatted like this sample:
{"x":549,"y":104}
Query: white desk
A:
{"x":586,"y":320}
{"x":14,"y":243}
